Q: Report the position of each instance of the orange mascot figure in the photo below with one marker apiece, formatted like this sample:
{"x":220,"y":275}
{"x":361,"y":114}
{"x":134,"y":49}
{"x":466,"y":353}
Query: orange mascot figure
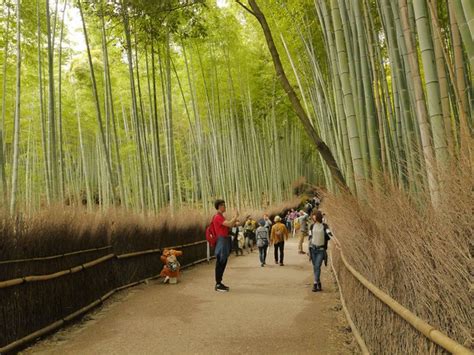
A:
{"x":171,"y":265}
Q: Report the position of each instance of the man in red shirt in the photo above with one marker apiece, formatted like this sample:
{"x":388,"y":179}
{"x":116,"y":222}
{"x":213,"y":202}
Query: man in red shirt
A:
{"x":224,"y":242}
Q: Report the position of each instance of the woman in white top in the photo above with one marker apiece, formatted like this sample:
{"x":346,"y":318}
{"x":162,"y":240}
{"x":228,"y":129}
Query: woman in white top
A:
{"x":318,"y":243}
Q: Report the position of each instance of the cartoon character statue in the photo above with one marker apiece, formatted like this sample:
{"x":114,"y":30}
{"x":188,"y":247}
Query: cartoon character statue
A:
{"x":171,"y":265}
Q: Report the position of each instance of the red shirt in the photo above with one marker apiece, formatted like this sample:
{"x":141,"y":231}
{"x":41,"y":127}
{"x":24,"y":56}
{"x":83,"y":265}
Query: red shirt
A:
{"x":219,"y":228}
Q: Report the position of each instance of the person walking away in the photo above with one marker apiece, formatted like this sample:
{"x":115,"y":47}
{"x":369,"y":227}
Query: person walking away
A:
{"x":316,"y":202}
{"x":318,"y":244}
{"x":262,"y":242}
{"x":268,"y":222}
{"x":278,"y":236}
{"x":303,"y":230}
{"x":223,"y":246}
{"x":288,"y":221}
{"x":249,"y":233}
{"x":293,"y":216}
{"x":308,"y":207}
{"x":237,"y":239}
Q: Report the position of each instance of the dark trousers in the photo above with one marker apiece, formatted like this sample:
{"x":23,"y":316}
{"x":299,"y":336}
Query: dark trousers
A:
{"x":262,"y":251}
{"x":279,"y":247}
{"x":222,"y":252}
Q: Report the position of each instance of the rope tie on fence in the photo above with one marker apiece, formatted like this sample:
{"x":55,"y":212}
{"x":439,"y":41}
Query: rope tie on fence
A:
{"x":416,"y":322}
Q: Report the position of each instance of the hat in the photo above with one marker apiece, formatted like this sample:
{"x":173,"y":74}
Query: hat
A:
{"x":277,"y":219}
{"x":261,"y":222}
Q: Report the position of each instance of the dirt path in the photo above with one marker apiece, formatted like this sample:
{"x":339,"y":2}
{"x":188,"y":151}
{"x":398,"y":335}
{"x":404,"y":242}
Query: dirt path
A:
{"x":269,"y":310}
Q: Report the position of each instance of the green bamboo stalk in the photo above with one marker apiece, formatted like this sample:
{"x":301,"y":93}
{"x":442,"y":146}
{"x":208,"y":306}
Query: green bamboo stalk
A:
{"x":466,"y":34}
{"x":422,"y":115}
{"x":62,"y":186}
{"x":126,"y":25}
{"x":3,"y":176}
{"x":16,"y":134}
{"x":169,"y":126}
{"x":374,"y":145}
{"x":354,"y":142}
{"x":110,"y":105}
{"x":443,"y":83}
{"x":52,"y":146}
{"x":110,"y":175}
{"x":432,"y":83}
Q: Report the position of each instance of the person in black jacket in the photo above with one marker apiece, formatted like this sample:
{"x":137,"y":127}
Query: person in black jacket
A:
{"x":318,"y":244}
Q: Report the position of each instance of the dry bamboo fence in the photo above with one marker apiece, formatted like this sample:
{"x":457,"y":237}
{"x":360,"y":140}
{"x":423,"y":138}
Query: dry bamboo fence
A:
{"x":58,"y":324}
{"x":60,"y":288}
{"x":11,"y":284}
{"x":417,"y":323}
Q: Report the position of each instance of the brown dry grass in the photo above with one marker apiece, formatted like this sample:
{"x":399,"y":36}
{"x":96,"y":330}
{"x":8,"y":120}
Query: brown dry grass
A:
{"x":419,"y":255}
{"x":57,"y":230}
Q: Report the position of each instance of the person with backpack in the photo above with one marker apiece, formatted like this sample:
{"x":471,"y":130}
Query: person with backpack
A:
{"x":217,"y":235}
{"x":262,"y":242}
{"x":303,"y":230}
{"x":278,"y":236}
{"x":318,"y":244}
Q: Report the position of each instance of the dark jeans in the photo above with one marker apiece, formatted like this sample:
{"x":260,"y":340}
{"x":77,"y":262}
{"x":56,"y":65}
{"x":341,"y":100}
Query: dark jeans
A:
{"x":222,"y":253}
{"x":279,"y":247}
{"x":263,"y":253}
{"x":317,"y":257}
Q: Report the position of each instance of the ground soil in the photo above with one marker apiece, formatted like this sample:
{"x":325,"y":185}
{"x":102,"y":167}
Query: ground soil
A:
{"x":269,"y":310}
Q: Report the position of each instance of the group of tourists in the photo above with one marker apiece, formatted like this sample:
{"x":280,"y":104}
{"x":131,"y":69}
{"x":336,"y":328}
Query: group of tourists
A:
{"x":308,"y":223}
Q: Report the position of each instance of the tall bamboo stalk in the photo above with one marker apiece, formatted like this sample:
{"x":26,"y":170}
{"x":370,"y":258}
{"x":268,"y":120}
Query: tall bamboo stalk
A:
{"x":432,"y":83}
{"x":421,"y":112}
{"x":3,"y":176}
{"x":110,"y":175}
{"x":16,"y":134}
{"x":52,"y":149}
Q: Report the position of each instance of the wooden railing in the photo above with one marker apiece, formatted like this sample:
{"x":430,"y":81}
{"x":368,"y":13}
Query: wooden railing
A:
{"x":416,"y":322}
{"x":91,"y":264}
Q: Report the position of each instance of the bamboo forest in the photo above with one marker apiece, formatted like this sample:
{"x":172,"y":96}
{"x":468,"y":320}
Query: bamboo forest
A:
{"x":125,"y":125}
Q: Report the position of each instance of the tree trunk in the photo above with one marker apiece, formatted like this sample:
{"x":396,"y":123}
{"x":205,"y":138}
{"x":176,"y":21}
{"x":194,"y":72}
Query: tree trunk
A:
{"x":319,"y":143}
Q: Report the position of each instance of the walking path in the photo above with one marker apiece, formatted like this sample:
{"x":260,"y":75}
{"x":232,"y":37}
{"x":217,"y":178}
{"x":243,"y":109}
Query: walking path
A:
{"x":270,"y":310}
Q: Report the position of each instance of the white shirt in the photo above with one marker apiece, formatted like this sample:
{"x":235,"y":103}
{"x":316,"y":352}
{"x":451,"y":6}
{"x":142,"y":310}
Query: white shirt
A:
{"x":318,"y":235}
